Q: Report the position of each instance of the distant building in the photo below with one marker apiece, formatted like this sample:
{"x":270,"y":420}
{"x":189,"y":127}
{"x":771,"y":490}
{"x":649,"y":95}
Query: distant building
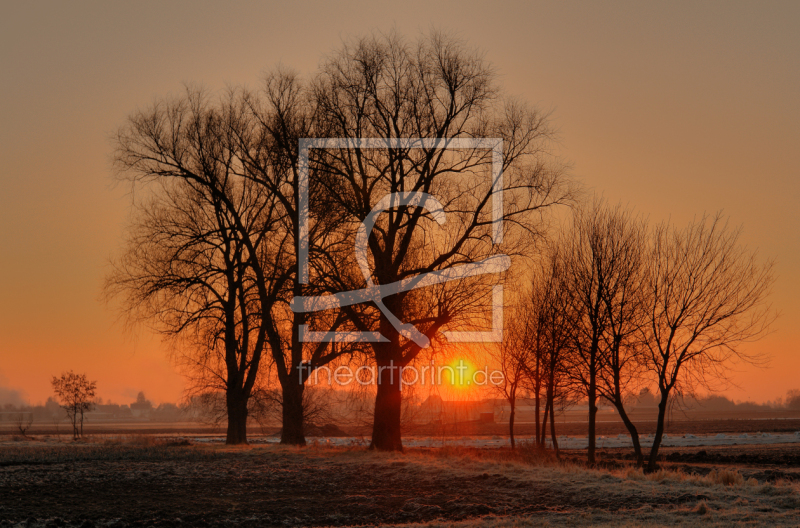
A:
{"x":142,"y":407}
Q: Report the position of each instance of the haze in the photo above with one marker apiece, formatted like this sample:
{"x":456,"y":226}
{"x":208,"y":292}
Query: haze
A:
{"x":674,"y":109}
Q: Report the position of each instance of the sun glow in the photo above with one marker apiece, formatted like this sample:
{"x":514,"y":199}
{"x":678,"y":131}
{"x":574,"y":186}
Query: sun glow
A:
{"x":459,"y":374}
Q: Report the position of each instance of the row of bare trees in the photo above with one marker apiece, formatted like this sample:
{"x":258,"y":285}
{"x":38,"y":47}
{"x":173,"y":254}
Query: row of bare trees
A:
{"x":212,"y":257}
{"x":616,"y":305}
{"x":223,"y":214}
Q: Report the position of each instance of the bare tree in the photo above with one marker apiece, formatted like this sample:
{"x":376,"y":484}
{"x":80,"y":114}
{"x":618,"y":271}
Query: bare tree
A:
{"x":583,"y":258}
{"x":277,"y":119}
{"x":552,"y":322}
{"x":514,"y":356}
{"x":707,"y":297}
{"x":211,"y":259}
{"x":603,"y":259}
{"x":383,"y":87}
{"x":75,"y":393}
{"x":623,"y":297}
{"x":194,"y":265}
{"x":24,"y":420}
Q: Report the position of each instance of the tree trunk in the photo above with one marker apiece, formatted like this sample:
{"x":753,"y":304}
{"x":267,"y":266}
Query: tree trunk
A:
{"x":537,"y":416}
{"x":553,"y":427}
{"x":592,"y":393}
{"x":74,"y":419}
{"x":538,"y":386}
{"x":662,"y":412}
{"x":388,"y":406}
{"x":592,"y":423}
{"x":637,"y":447}
{"x":511,"y":423}
{"x":541,"y":439}
{"x":237,"y":418}
{"x":551,"y":402}
{"x":618,"y":403}
{"x":292,"y":432}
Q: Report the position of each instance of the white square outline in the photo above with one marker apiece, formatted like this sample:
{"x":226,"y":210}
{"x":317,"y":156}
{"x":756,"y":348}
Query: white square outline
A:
{"x":495,"y":144}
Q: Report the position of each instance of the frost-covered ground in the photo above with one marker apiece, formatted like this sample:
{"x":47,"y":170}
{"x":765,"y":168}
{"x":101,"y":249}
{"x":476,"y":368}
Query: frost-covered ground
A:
{"x":120,"y":486}
{"x":564,"y":442}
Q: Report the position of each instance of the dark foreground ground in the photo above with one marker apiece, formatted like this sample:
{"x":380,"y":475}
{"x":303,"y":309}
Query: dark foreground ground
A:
{"x":120,"y":484}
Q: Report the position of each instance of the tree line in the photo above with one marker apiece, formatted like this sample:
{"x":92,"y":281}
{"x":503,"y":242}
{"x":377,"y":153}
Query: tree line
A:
{"x":615,"y":306}
{"x":223,"y":212}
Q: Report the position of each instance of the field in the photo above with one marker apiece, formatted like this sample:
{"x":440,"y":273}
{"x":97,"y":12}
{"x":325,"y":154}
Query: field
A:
{"x":142,"y":480}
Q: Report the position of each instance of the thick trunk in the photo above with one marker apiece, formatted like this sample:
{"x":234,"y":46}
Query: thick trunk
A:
{"x":538,"y":398}
{"x":237,"y":419}
{"x":592,"y":394}
{"x":292,"y":432}
{"x":662,"y":412}
{"x":388,"y":406}
{"x":511,"y":424}
{"x":592,"y":422}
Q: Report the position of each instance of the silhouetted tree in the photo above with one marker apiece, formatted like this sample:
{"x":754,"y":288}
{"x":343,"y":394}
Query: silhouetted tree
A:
{"x":624,"y":252}
{"x":514,"y":356}
{"x":211,"y":259}
{"x":23,"y":421}
{"x":277,"y":118}
{"x":706,"y":296}
{"x":584,"y":252}
{"x":199,"y":245}
{"x":75,"y":393}
{"x":552,"y":324}
{"x":384,"y":87}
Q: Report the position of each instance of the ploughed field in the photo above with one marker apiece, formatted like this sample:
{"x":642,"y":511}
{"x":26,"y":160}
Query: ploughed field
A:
{"x":143,"y":481}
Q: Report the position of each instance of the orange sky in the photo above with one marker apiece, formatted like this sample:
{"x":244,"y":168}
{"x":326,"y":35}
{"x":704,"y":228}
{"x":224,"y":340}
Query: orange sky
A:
{"x":675,"y":109}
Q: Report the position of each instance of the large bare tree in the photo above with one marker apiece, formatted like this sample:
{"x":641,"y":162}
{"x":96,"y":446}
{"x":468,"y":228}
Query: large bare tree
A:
{"x":276,"y":119}
{"x":624,"y":299}
{"x":193,"y":266}
{"x":211,"y":257}
{"x":385,"y":87}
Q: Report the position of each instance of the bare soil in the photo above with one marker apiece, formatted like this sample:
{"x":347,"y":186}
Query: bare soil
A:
{"x":47,"y":484}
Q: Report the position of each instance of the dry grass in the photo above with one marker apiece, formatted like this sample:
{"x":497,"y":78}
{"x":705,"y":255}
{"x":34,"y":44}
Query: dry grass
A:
{"x":724,"y":497}
{"x":722,"y":477}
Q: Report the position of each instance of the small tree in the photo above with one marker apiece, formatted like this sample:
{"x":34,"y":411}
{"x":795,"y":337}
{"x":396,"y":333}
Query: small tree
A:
{"x":75,"y":393}
{"x":707,"y":296}
{"x":513,"y":356}
{"x":24,"y":420}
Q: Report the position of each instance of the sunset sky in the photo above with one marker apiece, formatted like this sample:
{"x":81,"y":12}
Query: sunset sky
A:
{"x":672,"y":108}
